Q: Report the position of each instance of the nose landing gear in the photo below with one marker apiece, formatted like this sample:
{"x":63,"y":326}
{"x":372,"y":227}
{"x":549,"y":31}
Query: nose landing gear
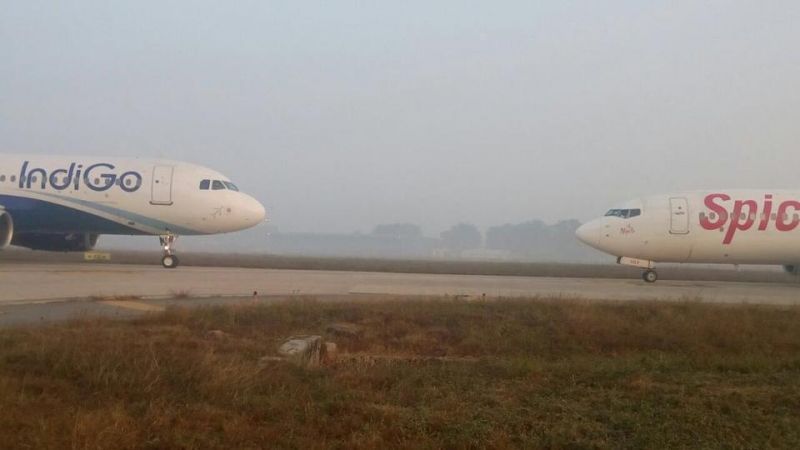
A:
{"x":170,"y":260}
{"x":650,"y":276}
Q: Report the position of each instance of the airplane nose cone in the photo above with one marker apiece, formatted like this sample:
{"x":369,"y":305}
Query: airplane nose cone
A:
{"x":258,"y":212}
{"x":254,"y":212}
{"x":589,"y":234}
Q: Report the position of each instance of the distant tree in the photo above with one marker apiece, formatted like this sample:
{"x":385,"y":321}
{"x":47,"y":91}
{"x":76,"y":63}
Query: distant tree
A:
{"x":535,"y":240}
{"x":518,"y":239}
{"x":398,"y":231}
{"x":463,"y":236}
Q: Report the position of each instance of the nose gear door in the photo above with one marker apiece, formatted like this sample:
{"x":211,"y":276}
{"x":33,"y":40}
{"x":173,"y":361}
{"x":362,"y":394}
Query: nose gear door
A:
{"x":679,"y":215}
{"x":162,"y":185}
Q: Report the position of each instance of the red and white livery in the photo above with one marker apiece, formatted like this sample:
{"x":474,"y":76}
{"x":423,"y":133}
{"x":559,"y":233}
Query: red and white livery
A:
{"x":716,"y":227}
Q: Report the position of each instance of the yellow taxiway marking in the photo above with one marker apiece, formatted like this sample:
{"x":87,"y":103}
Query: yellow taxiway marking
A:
{"x":136,"y":306}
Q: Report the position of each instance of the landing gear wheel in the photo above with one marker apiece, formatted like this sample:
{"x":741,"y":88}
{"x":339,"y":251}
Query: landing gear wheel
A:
{"x":650,"y":276}
{"x":170,"y":261}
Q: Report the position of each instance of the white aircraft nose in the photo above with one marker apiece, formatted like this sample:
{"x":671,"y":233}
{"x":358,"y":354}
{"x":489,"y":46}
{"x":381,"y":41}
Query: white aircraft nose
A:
{"x":589,"y":233}
{"x":253,"y":211}
{"x":257,"y":211}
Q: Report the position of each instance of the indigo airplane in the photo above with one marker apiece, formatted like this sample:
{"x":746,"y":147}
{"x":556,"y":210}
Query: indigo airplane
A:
{"x":59,"y":203}
{"x":717,"y":227}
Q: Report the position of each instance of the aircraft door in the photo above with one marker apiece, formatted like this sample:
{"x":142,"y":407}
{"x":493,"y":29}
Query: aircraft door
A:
{"x":162,"y":185}
{"x":679,"y":215}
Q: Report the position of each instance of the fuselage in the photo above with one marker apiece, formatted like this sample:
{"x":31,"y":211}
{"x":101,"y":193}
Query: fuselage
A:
{"x":103,"y":195}
{"x":722,"y":227}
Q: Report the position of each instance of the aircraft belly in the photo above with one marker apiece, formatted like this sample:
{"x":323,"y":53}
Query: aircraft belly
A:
{"x":749,"y":248}
{"x":43,"y":217}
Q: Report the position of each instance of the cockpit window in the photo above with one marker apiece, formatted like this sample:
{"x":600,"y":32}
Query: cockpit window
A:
{"x":217,"y":185}
{"x":624,"y":213}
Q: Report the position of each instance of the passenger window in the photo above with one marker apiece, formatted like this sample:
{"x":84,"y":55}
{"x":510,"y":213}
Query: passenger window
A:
{"x":2,"y":178}
{"x":204,"y":185}
{"x":217,"y":185}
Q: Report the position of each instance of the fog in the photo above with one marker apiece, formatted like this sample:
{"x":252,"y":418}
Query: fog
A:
{"x":342,"y":116}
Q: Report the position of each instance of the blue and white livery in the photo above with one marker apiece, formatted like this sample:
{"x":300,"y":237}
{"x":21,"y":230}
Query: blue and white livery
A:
{"x":64,"y":203}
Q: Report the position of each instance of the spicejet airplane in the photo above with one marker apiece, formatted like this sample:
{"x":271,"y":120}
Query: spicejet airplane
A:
{"x":64,"y":203}
{"x":724,"y":227}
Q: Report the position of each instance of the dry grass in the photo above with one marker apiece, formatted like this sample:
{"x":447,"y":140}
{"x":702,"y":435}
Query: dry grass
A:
{"x":181,"y":294}
{"x":523,"y":374}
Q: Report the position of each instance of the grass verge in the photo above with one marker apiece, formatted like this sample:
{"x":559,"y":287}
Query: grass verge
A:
{"x":534,"y":373}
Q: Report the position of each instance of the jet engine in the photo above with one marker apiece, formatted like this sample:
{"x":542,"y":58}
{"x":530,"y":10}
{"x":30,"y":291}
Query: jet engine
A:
{"x":6,"y":229}
{"x":56,"y":242}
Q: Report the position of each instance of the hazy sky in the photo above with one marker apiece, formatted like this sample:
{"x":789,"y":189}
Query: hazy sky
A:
{"x":342,"y":115}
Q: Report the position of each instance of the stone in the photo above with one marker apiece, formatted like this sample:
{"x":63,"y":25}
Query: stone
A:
{"x":331,"y":352}
{"x":307,"y":351}
{"x":216,"y":334}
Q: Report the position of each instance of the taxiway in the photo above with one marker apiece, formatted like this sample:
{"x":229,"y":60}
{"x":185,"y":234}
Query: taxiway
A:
{"x":37,"y":283}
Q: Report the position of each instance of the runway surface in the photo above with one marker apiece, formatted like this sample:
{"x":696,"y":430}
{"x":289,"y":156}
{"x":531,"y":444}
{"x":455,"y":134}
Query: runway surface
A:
{"x":43,"y":293}
{"x":31,"y":283}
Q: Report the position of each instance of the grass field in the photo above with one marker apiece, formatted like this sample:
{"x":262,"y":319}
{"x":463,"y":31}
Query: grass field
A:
{"x":443,"y":373}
